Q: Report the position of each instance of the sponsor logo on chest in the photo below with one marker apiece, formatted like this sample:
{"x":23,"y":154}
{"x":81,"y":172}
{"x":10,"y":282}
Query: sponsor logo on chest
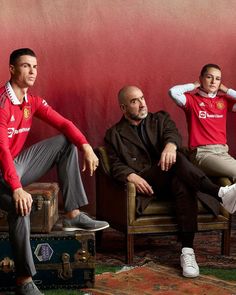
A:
{"x":13,"y":131}
{"x":205,"y":115}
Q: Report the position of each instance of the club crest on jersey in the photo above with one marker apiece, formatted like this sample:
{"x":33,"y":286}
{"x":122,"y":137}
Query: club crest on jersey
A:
{"x":220,"y":105}
{"x":27,"y":112}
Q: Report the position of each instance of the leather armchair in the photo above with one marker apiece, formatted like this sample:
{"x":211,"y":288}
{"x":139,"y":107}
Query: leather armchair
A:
{"x":116,"y":203}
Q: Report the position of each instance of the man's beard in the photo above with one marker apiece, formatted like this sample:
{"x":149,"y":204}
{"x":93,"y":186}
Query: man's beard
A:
{"x":138,"y":117}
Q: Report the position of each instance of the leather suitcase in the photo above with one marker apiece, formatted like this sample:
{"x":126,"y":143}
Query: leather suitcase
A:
{"x":44,"y":209}
{"x":63,"y":260}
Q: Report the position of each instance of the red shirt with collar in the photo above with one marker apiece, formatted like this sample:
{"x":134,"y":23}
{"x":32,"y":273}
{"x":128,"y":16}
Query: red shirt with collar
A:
{"x":206,"y":118}
{"x":15,"y":124}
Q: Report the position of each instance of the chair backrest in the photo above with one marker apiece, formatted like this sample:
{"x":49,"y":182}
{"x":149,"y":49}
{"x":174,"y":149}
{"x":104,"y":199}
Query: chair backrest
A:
{"x":103,"y":159}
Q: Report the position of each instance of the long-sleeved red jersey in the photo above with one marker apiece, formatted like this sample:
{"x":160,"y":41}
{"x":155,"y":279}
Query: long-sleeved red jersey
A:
{"x":15,"y":124}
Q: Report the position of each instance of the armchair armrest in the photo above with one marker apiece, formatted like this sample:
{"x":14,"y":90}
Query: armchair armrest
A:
{"x":224,"y":212}
{"x":119,"y":196}
{"x":103,"y":159}
{"x":113,"y":198}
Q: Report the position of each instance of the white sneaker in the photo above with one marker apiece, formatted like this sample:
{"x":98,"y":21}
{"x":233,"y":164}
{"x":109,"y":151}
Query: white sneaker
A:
{"x":188,"y":263}
{"x":228,"y":196}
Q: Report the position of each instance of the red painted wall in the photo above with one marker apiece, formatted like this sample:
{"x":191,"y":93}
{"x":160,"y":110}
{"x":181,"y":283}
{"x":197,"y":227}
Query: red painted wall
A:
{"x":88,"y":49}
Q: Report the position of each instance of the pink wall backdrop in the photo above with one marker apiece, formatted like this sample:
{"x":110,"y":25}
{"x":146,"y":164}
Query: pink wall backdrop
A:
{"x":88,"y":49}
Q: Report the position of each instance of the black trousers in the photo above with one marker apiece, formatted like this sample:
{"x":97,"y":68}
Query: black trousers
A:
{"x":185,"y":183}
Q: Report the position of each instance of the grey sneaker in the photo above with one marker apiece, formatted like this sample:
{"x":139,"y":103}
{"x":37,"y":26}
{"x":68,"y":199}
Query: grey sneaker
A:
{"x":28,"y":289}
{"x":83,"y":222}
{"x":228,"y":196}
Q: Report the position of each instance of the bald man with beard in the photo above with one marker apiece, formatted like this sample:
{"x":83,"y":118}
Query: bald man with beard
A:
{"x":144,"y":148}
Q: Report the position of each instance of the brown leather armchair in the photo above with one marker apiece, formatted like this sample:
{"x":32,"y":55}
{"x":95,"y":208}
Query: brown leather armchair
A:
{"x":116,"y":203}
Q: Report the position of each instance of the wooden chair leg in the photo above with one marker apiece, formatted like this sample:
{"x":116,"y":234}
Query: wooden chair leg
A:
{"x":225,"y":242}
{"x":129,"y":238}
{"x":226,"y":239}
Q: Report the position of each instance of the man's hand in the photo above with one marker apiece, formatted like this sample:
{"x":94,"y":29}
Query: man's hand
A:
{"x":23,"y":201}
{"x":168,"y":156}
{"x":90,"y":159}
{"x":223,"y":88}
{"x":141,"y":184}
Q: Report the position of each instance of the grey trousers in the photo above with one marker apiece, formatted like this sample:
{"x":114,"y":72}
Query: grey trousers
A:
{"x":31,"y":164}
{"x":215,"y":160}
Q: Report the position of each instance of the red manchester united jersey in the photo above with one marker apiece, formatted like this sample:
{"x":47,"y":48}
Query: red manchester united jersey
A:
{"x":206,"y":119}
{"x":15,"y":124}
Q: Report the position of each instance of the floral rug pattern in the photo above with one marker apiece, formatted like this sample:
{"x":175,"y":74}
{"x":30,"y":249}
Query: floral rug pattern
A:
{"x":152,"y":279}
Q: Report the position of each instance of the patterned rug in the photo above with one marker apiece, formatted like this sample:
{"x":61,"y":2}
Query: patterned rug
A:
{"x":165,"y":250}
{"x":151,"y":279}
{"x":156,"y":268}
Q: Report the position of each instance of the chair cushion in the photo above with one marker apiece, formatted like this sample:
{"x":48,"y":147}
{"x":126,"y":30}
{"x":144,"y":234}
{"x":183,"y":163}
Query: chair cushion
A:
{"x":167,"y":208}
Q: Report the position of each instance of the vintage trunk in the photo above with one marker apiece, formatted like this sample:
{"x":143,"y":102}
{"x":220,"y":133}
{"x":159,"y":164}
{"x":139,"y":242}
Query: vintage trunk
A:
{"x":62,"y":260}
{"x":44,"y":210}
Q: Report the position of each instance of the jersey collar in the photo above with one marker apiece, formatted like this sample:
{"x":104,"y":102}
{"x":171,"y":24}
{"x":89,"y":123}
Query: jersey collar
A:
{"x":205,"y":94}
{"x":12,"y":95}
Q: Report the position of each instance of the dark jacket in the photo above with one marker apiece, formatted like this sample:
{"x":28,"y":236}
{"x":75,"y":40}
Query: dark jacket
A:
{"x":126,"y":151}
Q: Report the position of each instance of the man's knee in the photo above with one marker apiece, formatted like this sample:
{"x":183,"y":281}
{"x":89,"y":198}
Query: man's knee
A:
{"x":60,"y":140}
{"x":64,"y":146}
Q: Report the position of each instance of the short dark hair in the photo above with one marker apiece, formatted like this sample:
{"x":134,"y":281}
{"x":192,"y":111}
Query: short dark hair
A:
{"x":18,"y":53}
{"x":206,"y":67}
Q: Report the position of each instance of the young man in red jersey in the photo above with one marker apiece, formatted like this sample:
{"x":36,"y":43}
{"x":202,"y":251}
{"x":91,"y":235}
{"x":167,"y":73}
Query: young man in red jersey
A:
{"x":206,"y":113}
{"x":19,"y":167}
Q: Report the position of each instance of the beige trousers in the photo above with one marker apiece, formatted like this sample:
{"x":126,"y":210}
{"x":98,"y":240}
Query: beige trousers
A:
{"x":215,"y":160}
